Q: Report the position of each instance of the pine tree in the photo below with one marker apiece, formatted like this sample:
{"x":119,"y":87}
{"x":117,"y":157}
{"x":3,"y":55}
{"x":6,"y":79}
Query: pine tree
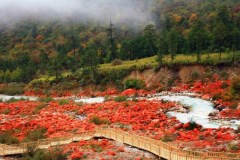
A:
{"x":112,"y":47}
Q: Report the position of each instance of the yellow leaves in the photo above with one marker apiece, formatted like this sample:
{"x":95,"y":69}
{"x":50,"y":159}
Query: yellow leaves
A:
{"x":119,"y":46}
{"x":70,"y":54}
{"x":186,"y":32}
{"x":211,"y":15}
{"x":19,"y":46}
{"x":39,"y":38}
{"x":35,"y":55}
{"x":99,"y":51}
{"x":176,"y":18}
{"x":84,"y":45}
{"x":61,"y":40}
{"x":193,"y":17}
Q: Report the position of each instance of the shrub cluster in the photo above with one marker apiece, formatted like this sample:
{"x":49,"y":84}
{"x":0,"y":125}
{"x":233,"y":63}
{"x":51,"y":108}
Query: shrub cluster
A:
{"x":134,"y":83}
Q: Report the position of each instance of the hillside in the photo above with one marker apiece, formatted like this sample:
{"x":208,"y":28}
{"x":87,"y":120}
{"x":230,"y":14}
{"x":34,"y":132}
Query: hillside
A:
{"x":32,"y":48}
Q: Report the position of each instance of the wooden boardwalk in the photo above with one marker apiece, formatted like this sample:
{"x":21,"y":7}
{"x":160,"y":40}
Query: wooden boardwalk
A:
{"x":159,"y":148}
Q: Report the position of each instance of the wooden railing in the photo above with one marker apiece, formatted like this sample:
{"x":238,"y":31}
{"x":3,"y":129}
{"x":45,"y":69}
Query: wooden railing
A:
{"x":156,"y":147}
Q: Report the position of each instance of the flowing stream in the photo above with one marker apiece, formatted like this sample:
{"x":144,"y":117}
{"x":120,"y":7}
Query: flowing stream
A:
{"x":198,"y":109}
{"x":198,"y":112}
{"x":5,"y":98}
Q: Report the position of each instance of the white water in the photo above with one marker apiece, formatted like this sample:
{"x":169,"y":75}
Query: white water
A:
{"x":90,"y":100}
{"x":5,"y":98}
{"x":198,"y":111}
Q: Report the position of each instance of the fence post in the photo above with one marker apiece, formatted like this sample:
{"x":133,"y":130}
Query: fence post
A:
{"x":3,"y":150}
{"x":170,"y":154}
{"x":132,"y":140}
{"x":160,"y":152}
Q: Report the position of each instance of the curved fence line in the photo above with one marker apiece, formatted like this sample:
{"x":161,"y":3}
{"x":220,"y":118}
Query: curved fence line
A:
{"x":156,"y":147}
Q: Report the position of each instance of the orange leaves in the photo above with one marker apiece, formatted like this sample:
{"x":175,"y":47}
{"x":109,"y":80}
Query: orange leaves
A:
{"x":76,"y":155}
{"x":229,"y":113}
{"x":17,"y":108}
{"x":52,"y":117}
{"x":177,"y":18}
{"x":193,"y":18}
{"x":129,"y":92}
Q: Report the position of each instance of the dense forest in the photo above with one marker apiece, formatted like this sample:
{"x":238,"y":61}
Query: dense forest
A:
{"x":31,"y":48}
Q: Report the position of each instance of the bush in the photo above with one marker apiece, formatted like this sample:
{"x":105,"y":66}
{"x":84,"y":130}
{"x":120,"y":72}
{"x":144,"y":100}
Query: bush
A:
{"x":47,"y":99}
{"x":39,"y":107}
{"x":192,"y":124}
{"x":36,"y":134}
{"x":235,"y":87}
{"x":238,"y":130}
{"x":63,"y":102}
{"x":113,"y":75}
{"x":217,"y":96}
{"x":35,"y":154}
{"x":168,"y":138}
{"x":96,"y":147}
{"x":12,"y":100}
{"x":12,"y":89}
{"x":6,"y":138}
{"x":117,"y":62}
{"x":98,"y":121}
{"x":224,"y":75}
{"x":134,"y":83}
{"x":195,"y":75}
{"x":234,"y":105}
{"x":120,"y":99}
{"x":6,"y":111}
{"x":233,"y":147}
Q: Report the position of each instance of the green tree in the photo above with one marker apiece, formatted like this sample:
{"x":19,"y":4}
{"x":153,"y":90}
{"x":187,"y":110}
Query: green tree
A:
{"x":235,"y":37}
{"x":2,"y":76}
{"x":222,"y":28}
{"x":172,"y":40}
{"x":197,"y":38}
{"x":149,"y":40}
{"x":112,"y":44}
{"x":162,"y":48}
{"x":89,"y":62}
{"x":16,"y":75}
{"x":219,"y":35}
{"x":44,"y":61}
{"x":7,"y":77}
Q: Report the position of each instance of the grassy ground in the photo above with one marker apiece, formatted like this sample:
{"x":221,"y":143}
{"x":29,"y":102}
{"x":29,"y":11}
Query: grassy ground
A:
{"x":151,"y":62}
{"x":212,"y":58}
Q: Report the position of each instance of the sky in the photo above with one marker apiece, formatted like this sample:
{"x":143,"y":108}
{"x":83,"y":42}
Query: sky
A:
{"x":132,"y":12}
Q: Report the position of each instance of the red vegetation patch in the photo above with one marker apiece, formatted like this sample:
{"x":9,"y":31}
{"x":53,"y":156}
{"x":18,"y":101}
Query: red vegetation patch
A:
{"x":230,"y":113}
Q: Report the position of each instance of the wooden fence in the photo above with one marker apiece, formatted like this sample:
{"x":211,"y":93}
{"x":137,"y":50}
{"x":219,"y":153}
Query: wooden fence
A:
{"x":156,"y":147}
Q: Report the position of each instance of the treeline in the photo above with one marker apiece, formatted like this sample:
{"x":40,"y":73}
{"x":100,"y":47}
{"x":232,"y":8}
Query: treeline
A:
{"x":33,"y":48}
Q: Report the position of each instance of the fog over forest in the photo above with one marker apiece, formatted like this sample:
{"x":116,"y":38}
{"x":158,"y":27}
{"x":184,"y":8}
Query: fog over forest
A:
{"x":131,"y":12}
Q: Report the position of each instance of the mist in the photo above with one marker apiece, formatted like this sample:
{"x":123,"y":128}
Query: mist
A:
{"x":133,"y":13}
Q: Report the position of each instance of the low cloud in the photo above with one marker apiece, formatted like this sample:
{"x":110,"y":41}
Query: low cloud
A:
{"x":130,"y":12}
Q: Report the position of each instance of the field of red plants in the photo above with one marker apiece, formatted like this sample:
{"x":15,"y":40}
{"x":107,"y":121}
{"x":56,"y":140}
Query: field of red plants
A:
{"x":103,"y":149}
{"x":142,"y":117}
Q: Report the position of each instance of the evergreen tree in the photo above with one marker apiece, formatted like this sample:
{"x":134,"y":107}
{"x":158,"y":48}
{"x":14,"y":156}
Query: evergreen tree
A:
{"x":197,"y":38}
{"x":222,"y":28}
{"x":112,"y":44}
{"x":235,"y":37}
{"x":162,"y":48}
{"x":172,"y":40}
{"x":149,"y":41}
{"x":89,"y":62}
